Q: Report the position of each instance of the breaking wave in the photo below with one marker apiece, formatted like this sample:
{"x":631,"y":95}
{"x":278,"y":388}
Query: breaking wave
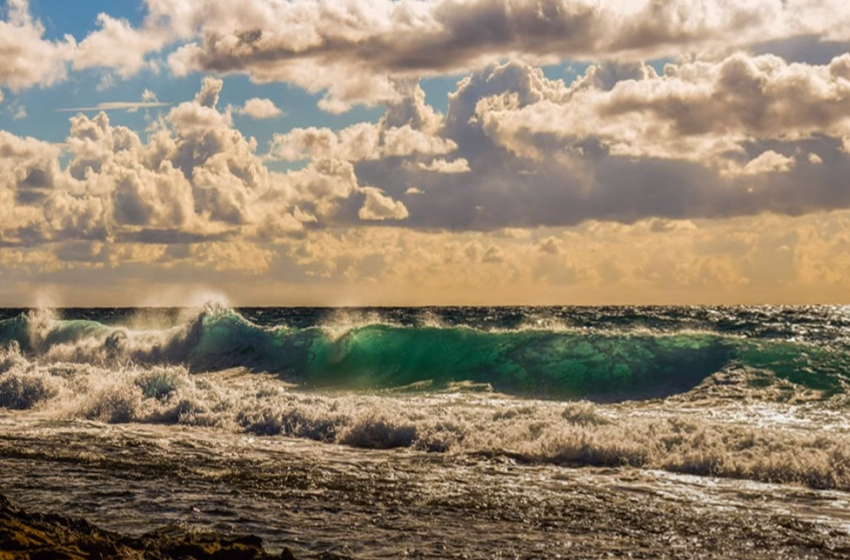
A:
{"x":551,"y":362}
{"x":705,"y":434}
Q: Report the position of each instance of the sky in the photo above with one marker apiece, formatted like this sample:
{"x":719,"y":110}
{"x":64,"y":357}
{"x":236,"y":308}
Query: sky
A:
{"x":424,"y":152}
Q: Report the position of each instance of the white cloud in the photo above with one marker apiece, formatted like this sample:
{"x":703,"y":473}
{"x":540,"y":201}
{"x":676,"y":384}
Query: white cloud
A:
{"x":129,"y":106}
{"x":119,"y":46}
{"x":350,"y":48}
{"x":701,"y":111}
{"x":362,"y":141}
{"x":526,"y":152}
{"x":107,"y":81}
{"x":195,"y":178}
{"x":210,"y":92}
{"x":768,"y":162}
{"x":378,"y":207}
{"x":359,"y":52}
{"x":26,"y":58}
{"x":149,"y":101}
{"x":18,"y":111}
{"x":459,"y":165}
{"x":260,"y":109}
{"x":192,"y":118}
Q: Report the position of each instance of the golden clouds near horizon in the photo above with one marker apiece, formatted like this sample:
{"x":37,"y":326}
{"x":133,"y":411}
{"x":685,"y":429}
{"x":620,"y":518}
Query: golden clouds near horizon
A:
{"x":742,"y":260}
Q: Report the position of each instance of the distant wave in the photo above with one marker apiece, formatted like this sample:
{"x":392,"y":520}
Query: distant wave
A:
{"x":550,"y":362}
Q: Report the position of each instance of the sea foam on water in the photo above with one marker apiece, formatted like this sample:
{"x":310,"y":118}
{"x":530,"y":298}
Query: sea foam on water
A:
{"x":690,"y":401}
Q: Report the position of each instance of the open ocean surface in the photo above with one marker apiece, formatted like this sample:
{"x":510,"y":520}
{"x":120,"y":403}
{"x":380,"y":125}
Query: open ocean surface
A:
{"x":507,"y":432}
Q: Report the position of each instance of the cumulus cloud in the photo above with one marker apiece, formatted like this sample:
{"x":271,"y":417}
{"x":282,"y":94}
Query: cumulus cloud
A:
{"x":514,"y":150}
{"x":440,"y":165}
{"x":26,"y":58}
{"x":119,"y":46}
{"x":358,"y":52}
{"x":28,"y":175}
{"x":378,"y":206}
{"x":695,"y":110}
{"x":541,"y":152}
{"x":550,"y":245}
{"x":362,"y":141}
{"x":194,"y":179}
{"x":410,"y":127}
{"x":350,"y":46}
{"x":210,"y":91}
{"x":260,"y":109}
{"x":768,"y":162}
{"x":530,"y":181}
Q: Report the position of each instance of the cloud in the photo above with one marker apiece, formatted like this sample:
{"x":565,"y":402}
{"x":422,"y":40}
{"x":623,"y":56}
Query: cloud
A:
{"x":210,"y":91}
{"x":17,"y":110}
{"x":107,"y":81}
{"x":623,"y":143}
{"x":725,"y":168}
{"x":119,"y":46}
{"x":26,"y":58}
{"x":359,"y":52}
{"x":440,"y":165}
{"x":769,"y":162}
{"x":260,"y":109}
{"x":514,"y":150}
{"x":350,"y":49}
{"x":696,"y":110}
{"x":194,"y":179}
{"x":129,"y":106}
{"x":378,"y":207}
{"x":408,"y":128}
{"x":550,"y":245}
{"x":148,"y":101}
{"x":783,"y":259}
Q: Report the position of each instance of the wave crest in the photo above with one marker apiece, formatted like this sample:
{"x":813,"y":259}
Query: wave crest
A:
{"x":359,"y":354}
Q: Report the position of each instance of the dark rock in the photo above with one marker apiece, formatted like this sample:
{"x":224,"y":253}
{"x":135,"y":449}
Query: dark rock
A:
{"x":33,"y":536}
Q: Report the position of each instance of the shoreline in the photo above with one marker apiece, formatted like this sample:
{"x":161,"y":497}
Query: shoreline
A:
{"x":28,"y":535}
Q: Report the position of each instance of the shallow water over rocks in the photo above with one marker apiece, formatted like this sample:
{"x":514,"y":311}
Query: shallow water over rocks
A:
{"x":317,"y":498}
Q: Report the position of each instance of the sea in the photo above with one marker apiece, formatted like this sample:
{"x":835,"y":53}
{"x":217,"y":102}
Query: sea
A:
{"x":439,"y":432}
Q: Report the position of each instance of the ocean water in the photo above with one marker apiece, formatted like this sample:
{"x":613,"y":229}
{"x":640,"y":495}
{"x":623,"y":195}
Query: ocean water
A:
{"x":509,"y":432}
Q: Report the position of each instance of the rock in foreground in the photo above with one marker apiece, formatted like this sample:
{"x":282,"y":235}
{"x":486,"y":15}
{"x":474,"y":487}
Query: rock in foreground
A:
{"x":41,"y":537}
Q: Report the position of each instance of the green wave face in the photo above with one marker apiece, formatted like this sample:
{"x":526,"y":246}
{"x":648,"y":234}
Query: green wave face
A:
{"x":556,"y":364}
{"x":603,"y":365}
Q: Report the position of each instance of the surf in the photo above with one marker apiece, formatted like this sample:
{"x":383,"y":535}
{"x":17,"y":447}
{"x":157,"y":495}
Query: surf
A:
{"x":374,"y":353}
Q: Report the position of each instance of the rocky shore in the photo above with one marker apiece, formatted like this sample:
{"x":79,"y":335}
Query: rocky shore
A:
{"x":34,"y":536}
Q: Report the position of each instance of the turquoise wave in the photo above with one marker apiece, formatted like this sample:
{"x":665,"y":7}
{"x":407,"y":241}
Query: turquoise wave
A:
{"x":556,"y":363}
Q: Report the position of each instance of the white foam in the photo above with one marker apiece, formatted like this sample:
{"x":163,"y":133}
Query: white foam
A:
{"x":722,"y":440}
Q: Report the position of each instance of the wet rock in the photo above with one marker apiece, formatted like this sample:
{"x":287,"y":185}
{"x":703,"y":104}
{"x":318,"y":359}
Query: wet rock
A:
{"x":33,"y":536}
